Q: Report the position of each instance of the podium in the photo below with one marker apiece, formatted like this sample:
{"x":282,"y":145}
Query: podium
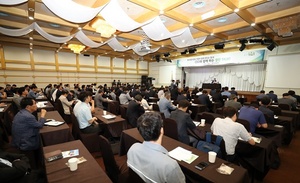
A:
{"x":211,"y":86}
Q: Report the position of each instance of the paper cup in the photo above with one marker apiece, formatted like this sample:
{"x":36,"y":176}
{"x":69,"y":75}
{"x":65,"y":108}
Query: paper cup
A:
{"x":73,"y":164}
{"x":104,"y":113}
{"x":212,"y":157}
{"x":202,"y":122}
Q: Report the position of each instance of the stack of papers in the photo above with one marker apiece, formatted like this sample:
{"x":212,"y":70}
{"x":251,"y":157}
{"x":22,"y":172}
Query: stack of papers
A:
{"x":109,"y":116}
{"x":41,"y":104}
{"x":52,"y":122}
{"x":224,"y":169}
{"x":182,"y":154}
{"x":256,"y":139}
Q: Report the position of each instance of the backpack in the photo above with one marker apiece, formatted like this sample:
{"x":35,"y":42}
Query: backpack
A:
{"x":207,"y":145}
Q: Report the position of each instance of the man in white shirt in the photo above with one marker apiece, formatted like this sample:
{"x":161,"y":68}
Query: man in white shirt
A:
{"x":150,"y":159}
{"x":82,"y":111}
{"x":230,"y":131}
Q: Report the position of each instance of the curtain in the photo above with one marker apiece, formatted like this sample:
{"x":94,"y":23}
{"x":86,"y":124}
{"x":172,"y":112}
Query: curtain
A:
{"x":242,"y":77}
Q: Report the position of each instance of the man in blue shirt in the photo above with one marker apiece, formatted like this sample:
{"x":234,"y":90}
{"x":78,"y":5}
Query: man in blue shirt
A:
{"x":165,"y":105}
{"x":255,"y":117}
{"x":150,"y":159}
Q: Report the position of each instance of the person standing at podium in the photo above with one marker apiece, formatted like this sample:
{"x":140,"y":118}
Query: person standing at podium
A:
{"x":214,"y":81}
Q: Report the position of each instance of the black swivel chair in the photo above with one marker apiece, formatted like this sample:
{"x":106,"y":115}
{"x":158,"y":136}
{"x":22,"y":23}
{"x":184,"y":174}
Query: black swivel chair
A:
{"x":115,"y":166}
{"x":170,"y":128}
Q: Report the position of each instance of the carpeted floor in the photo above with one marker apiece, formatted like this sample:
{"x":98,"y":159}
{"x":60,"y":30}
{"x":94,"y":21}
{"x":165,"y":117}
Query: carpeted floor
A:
{"x":289,"y":170}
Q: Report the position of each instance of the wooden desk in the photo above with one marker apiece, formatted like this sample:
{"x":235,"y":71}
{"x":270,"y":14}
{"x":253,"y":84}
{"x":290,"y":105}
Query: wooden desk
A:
{"x":55,"y":135}
{"x":87,"y":172}
{"x":209,"y":174}
{"x":260,"y":156}
{"x":115,"y":126}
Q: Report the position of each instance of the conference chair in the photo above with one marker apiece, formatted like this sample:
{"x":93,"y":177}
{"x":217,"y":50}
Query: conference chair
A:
{"x":90,"y":141}
{"x":245,"y":123}
{"x":155,"y":107}
{"x":284,"y":107}
{"x":134,"y":177}
{"x":123,"y":111}
{"x":276,"y":110}
{"x":170,"y":128}
{"x":209,"y":117}
{"x":115,"y":166}
{"x":113,"y":108}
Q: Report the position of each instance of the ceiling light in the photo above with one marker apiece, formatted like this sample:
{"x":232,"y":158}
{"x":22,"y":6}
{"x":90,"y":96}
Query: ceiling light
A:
{"x":30,"y":38}
{"x":30,"y":43}
{"x":161,"y":12}
{"x":191,"y":25}
{"x":208,"y":15}
{"x":199,"y":4}
{"x":212,"y":34}
{"x":103,"y":28}
{"x":76,"y":48}
{"x":79,"y":28}
{"x":31,"y":9}
{"x":31,"y":18}
{"x":54,"y":25}
{"x":236,"y":10}
{"x":222,"y":19}
{"x":253,"y":24}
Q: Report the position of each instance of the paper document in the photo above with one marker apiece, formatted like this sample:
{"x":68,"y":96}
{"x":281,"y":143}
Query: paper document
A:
{"x":182,"y":154}
{"x":70,"y":153}
{"x":197,"y":123}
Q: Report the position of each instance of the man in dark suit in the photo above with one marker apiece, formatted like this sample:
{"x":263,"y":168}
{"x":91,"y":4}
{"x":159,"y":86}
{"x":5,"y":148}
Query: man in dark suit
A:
{"x":134,"y":110}
{"x":204,"y":99}
{"x":265,"y":102}
{"x":184,"y":122}
{"x":15,"y":168}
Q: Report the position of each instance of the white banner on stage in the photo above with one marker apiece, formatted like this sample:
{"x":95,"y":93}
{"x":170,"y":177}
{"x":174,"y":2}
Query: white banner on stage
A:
{"x":222,"y":59}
